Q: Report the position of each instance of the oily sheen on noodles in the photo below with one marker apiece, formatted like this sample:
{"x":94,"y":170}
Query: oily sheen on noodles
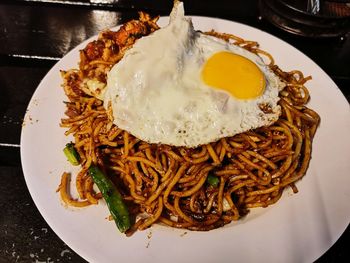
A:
{"x":164,"y":89}
{"x":199,"y":188}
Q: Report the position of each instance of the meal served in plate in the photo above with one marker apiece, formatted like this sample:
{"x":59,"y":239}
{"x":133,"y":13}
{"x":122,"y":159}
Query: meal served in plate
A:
{"x":189,"y":129}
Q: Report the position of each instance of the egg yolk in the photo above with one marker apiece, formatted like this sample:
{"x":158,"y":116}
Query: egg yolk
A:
{"x":235,"y":74}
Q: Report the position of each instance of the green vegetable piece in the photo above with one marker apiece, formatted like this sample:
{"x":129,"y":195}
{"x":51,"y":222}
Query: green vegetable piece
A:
{"x":113,"y":198}
{"x":72,"y":154}
{"x":213,"y":180}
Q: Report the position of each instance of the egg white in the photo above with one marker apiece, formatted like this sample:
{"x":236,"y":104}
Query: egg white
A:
{"x":157,"y":94}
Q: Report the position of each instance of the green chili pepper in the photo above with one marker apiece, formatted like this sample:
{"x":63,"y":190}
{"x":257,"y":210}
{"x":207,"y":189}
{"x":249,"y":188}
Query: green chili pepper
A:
{"x":113,"y":198}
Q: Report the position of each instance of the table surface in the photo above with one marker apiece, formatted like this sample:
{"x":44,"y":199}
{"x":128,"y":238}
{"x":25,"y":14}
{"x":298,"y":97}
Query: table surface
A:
{"x":34,"y":35}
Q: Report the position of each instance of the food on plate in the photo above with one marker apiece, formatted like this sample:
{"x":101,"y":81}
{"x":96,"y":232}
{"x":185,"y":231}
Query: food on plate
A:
{"x":182,"y":87}
{"x":113,"y":198}
{"x":181,"y":127}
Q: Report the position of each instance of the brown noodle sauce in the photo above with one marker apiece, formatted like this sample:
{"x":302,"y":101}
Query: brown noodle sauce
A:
{"x":169,"y":184}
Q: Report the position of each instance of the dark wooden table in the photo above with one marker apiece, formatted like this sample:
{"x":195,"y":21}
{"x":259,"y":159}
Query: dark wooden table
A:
{"x":34,"y":35}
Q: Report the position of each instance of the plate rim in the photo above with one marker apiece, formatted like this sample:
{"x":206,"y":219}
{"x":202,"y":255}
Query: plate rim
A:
{"x":55,"y":68}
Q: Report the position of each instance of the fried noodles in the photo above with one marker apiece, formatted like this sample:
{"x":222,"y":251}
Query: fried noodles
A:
{"x":169,"y":184}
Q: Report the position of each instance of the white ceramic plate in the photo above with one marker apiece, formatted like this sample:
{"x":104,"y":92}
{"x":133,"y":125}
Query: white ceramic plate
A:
{"x":299,"y":228}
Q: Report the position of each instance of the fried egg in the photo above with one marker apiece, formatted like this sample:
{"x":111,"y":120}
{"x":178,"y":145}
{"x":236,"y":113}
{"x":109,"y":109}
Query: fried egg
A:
{"x":181,"y":87}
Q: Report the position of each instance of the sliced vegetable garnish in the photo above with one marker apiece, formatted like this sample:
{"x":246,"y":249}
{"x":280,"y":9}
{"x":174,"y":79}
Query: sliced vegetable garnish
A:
{"x":113,"y":198}
{"x":72,"y":154}
{"x":213,"y":180}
